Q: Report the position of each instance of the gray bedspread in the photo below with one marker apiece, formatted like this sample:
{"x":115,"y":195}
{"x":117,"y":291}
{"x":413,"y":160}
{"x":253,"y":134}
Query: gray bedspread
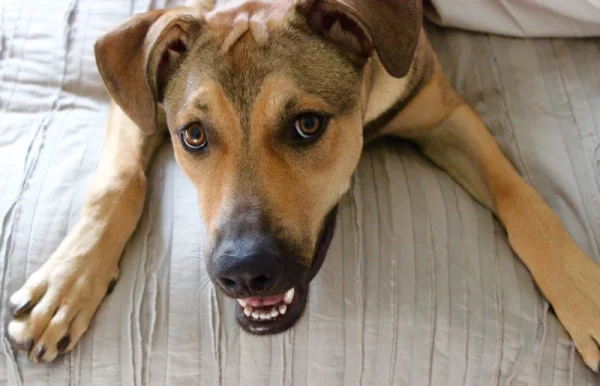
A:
{"x":420,"y":286}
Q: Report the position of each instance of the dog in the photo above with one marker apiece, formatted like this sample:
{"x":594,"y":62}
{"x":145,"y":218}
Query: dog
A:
{"x":268,"y":105}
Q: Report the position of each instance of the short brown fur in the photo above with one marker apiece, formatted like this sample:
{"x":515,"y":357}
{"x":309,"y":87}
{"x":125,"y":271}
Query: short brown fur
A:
{"x":244,"y":70}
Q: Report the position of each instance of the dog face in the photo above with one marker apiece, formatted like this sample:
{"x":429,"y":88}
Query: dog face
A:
{"x":263,"y":104}
{"x":279,"y":140}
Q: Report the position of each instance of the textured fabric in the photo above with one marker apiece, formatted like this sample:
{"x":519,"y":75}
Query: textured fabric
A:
{"x":522,"y":18}
{"x":419,"y":287}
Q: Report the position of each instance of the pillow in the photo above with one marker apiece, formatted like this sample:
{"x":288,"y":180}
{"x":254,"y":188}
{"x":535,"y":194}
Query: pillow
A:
{"x":519,"y":18}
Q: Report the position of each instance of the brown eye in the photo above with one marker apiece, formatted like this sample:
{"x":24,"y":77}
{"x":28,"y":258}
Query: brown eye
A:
{"x":194,"y":136}
{"x":309,"y":125}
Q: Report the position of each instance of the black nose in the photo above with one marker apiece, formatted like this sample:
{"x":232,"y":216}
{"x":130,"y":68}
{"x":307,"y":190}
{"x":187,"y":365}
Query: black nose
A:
{"x":247,"y":265}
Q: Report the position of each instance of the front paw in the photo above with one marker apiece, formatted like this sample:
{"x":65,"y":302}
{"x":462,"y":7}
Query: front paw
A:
{"x":577,"y":306}
{"x":56,"y":304}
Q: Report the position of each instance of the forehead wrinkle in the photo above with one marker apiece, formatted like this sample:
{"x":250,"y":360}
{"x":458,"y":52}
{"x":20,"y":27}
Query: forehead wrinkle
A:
{"x":233,"y":19}
{"x":199,"y":96}
{"x":197,"y":102}
{"x":241,"y":80}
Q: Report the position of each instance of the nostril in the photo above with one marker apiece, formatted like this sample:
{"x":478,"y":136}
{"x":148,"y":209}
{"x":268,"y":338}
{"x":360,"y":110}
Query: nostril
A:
{"x":228,"y":283}
{"x":261,"y":283}
{"x":262,"y":280}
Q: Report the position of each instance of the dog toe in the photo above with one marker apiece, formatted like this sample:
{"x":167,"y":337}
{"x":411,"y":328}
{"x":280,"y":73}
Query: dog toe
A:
{"x":29,"y":328}
{"x":17,"y":333}
{"x":52,"y":341}
{"x":78,"y":327}
{"x":22,"y":301}
{"x":589,"y":350}
{"x":20,"y":309}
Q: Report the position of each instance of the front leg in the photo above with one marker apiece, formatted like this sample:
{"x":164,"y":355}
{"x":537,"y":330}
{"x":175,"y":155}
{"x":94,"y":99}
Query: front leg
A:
{"x":56,"y":304}
{"x":453,"y":136}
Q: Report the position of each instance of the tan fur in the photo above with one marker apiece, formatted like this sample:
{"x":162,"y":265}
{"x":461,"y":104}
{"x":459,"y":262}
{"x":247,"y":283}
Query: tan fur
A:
{"x":319,"y":177}
{"x":452,"y":135}
{"x":74,"y":280}
{"x":213,"y":179}
{"x":239,"y":77}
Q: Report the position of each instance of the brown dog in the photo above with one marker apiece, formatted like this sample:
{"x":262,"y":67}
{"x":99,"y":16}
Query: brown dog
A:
{"x":268,"y":104}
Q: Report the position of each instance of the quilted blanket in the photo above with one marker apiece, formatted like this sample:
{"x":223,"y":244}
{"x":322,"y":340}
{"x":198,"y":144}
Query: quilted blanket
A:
{"x":420,"y":286}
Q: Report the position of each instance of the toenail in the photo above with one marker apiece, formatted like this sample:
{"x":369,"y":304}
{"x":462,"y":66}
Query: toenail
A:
{"x":111,"y":286}
{"x":63,"y":343}
{"x":29,"y":345}
{"x":18,"y":310}
{"x":40,"y":352}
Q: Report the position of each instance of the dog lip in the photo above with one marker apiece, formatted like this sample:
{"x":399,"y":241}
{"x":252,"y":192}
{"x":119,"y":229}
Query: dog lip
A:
{"x":263,"y":301}
{"x":323,"y":243}
{"x":300,"y":294}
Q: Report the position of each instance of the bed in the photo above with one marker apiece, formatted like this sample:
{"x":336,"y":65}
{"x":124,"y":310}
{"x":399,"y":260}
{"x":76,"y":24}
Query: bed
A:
{"x":420,"y":286}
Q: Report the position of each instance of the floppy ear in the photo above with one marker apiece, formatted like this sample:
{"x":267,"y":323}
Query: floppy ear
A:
{"x":390,"y":27}
{"x":136,"y":58}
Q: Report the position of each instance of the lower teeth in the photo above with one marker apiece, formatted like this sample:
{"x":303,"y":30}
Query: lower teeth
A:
{"x":263,"y":313}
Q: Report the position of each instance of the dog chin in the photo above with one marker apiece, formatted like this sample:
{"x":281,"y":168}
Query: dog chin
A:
{"x":277,"y":313}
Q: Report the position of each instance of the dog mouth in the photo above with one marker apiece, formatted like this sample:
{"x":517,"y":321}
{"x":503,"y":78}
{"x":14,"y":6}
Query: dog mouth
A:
{"x":277,"y":313}
{"x":271,"y":314}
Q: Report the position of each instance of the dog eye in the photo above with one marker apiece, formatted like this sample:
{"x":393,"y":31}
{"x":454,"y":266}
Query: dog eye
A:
{"x":193,"y":137}
{"x":309,"y":126}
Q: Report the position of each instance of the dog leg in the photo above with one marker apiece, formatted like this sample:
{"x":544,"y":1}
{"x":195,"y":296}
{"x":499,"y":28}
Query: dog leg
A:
{"x":453,"y":136}
{"x":56,"y":304}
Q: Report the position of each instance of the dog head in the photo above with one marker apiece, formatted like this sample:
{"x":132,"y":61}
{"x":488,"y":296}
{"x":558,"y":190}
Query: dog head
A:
{"x":264,"y":104}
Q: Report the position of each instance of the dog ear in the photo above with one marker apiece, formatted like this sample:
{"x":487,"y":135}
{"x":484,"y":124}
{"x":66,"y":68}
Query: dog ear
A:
{"x":136,"y":58}
{"x":390,"y":27}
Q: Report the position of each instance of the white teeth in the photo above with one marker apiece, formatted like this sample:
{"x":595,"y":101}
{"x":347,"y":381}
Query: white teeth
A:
{"x":268,"y":314}
{"x":282,"y":309}
{"x":289,"y":296}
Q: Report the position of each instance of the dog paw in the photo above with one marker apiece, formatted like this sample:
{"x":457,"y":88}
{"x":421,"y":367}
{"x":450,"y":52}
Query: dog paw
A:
{"x":587,"y":345}
{"x":56,"y":304}
{"x":586,"y":336}
{"x":578,"y":308}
